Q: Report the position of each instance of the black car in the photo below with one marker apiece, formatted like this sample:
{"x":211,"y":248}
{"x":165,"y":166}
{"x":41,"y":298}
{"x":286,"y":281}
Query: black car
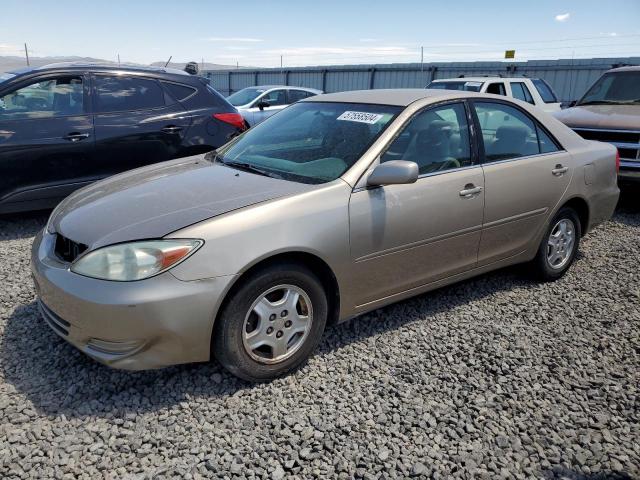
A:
{"x":64,"y":126}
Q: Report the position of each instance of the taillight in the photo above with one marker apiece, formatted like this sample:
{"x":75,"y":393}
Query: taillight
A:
{"x":617,"y":160}
{"x":234,"y":119}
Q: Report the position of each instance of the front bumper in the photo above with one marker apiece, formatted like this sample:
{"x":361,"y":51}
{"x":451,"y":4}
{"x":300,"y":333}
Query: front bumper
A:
{"x":629,"y":173}
{"x":137,"y":325}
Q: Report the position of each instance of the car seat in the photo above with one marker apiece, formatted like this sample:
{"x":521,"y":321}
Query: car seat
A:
{"x":430,"y":148}
{"x":511,"y":141}
{"x":348,"y":140}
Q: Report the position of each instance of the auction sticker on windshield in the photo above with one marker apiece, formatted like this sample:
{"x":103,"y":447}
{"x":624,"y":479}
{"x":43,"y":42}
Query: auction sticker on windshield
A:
{"x":362,"y":117}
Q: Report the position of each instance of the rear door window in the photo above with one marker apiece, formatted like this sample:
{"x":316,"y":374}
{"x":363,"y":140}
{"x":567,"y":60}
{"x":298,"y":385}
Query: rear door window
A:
{"x":497,"y":88}
{"x":297,"y":95}
{"x":521,"y":92}
{"x":507,"y":132}
{"x":115,"y":94}
{"x":178,"y":91}
{"x":545,"y":91}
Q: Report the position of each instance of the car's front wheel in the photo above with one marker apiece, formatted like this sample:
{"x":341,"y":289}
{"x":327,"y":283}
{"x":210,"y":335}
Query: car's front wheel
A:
{"x":559,"y":245}
{"x":272,"y":323}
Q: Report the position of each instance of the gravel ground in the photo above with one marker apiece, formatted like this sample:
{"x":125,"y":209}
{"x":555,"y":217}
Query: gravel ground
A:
{"x":497,"y":377}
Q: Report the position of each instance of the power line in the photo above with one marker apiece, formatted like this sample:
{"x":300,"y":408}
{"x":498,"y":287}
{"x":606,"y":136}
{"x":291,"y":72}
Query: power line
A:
{"x":409,"y":53}
{"x":599,"y":37}
{"x":403,"y":57}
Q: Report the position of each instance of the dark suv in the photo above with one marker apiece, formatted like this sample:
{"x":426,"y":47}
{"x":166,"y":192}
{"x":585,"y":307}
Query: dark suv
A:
{"x":64,"y":126}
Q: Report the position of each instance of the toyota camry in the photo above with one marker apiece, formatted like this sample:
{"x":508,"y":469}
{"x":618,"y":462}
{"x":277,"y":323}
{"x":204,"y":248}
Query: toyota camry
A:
{"x":335,"y":206}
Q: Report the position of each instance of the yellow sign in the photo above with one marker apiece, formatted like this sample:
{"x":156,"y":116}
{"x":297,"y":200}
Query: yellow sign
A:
{"x":509,"y":54}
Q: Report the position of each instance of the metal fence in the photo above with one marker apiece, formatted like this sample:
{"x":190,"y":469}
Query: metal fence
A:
{"x":569,"y":78}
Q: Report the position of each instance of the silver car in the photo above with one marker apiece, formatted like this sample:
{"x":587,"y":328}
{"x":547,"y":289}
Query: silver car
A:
{"x":336,"y":206}
{"x":259,"y":103}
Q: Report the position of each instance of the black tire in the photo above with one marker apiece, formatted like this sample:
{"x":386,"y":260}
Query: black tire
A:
{"x":227,"y":343}
{"x":542,"y":267}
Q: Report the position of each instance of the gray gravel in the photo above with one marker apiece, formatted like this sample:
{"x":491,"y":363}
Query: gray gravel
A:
{"x":497,"y":377}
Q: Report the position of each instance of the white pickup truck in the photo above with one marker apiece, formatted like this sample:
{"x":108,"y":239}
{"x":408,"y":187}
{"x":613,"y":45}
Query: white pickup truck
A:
{"x":533,"y":90}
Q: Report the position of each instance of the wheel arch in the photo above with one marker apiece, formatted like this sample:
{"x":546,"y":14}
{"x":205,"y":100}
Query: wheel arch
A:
{"x":316,"y":264}
{"x":581,"y":208}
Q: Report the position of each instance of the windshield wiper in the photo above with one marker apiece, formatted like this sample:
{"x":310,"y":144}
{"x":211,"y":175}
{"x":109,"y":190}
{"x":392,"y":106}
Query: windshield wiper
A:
{"x":247,"y":167}
{"x":600,"y":102}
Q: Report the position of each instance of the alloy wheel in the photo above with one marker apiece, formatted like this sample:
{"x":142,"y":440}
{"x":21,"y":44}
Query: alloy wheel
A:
{"x":277,"y":324}
{"x":560,"y":243}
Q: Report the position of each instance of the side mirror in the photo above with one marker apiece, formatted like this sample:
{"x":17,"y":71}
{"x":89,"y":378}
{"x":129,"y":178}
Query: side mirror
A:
{"x":262,"y":104}
{"x":394,"y":172}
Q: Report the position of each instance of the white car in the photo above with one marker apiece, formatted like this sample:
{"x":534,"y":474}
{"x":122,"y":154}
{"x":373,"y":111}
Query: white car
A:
{"x":532,"y":90}
{"x":256,"y":104}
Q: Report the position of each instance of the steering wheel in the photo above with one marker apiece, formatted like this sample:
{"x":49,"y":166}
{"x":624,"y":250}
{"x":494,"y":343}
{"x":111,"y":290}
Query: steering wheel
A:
{"x":35,"y":103}
{"x":448,"y":164}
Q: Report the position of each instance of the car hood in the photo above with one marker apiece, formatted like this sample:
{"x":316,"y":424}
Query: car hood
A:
{"x":614,"y":117}
{"x":154,"y":201}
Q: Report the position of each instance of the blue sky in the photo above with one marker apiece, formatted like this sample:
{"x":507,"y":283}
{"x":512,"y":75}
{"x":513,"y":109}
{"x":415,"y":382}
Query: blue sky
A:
{"x":323,"y":31}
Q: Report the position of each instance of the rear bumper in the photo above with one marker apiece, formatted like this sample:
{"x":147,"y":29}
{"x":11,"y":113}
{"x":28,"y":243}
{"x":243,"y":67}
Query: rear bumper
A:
{"x":603,"y":206}
{"x":138,"y":325}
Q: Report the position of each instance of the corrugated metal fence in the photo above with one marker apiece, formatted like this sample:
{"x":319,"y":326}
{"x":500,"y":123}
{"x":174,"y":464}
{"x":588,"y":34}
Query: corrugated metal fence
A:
{"x":569,"y":78}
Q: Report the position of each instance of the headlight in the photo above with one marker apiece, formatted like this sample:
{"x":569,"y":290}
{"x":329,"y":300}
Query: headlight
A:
{"x":134,"y":261}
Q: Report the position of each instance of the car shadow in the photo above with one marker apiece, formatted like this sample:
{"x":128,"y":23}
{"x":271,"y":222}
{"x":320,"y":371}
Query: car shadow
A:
{"x":38,"y":363}
{"x":629,"y":199}
{"x":15,"y":226}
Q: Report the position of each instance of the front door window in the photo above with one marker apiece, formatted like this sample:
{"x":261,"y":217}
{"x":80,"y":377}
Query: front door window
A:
{"x":46,"y":98}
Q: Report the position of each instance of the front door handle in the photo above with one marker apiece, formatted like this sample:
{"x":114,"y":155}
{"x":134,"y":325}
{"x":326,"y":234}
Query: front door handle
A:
{"x":76,"y":136}
{"x":559,"y":170}
{"x":171,"y":129}
{"x":470,"y":190}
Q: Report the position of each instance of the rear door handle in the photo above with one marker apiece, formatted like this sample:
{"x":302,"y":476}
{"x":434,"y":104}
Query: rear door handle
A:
{"x":76,"y":136}
{"x":171,"y":129}
{"x":470,"y":190}
{"x":559,"y":170}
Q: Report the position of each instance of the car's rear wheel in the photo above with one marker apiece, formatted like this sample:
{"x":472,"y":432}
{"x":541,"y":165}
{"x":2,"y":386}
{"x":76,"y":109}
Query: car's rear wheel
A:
{"x":559,"y":245}
{"x":271,"y":323}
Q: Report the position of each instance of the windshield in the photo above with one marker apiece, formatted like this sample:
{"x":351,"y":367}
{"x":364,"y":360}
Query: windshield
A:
{"x":310,"y":142}
{"x":457,"y":85}
{"x":6,"y":76}
{"x":614,"y":89}
{"x":244,"y":96}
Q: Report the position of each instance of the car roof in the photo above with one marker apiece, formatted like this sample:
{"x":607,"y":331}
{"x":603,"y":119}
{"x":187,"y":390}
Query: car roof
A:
{"x":479,"y":79}
{"x":398,"y":96}
{"x":98,"y":66}
{"x":628,"y":68}
{"x":271,"y":87}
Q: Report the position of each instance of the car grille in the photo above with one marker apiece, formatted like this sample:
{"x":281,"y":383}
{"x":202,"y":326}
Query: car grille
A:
{"x":58,"y":325}
{"x":627,"y":142}
{"x":67,"y":250}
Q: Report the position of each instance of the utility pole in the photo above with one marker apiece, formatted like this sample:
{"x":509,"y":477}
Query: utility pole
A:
{"x":280,"y":62}
{"x":237,"y":64}
{"x":26,"y":53}
{"x":202,"y":64}
{"x":573,"y":56}
{"x":118,"y":59}
{"x":421,"y":60}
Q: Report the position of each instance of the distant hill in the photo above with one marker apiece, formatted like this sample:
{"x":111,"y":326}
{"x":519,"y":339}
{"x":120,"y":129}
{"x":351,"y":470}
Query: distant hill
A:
{"x":8,"y":63}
